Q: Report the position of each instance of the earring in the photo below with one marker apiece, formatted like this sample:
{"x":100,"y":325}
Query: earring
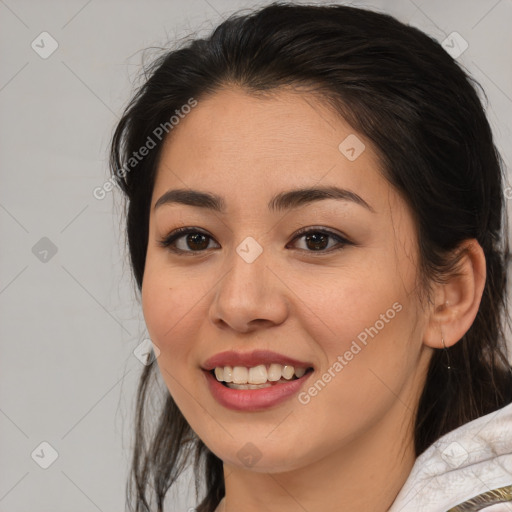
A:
{"x":445,"y":350}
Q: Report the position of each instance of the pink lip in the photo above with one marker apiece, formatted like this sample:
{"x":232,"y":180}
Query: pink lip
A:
{"x":249,"y":359}
{"x":253,"y":399}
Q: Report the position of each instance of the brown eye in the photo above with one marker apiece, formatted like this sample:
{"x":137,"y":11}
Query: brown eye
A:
{"x":317,"y":240}
{"x":196,"y":241}
{"x":190,"y":239}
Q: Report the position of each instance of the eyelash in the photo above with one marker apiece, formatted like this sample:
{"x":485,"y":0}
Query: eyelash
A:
{"x":181,"y":232}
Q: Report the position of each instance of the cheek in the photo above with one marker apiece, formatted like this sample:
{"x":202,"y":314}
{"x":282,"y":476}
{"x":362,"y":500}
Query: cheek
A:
{"x":175,"y":309}
{"x":157,"y":302}
{"x":364,"y":324}
{"x":348,"y":303}
{"x":171,"y":314}
{"x":169,"y":308}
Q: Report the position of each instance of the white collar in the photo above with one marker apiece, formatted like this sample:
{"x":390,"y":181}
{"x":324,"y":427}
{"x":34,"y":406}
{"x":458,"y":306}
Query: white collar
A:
{"x":470,"y":460}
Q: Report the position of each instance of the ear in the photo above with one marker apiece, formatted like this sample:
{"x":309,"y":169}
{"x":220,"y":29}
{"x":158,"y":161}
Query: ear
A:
{"x":456,"y":301}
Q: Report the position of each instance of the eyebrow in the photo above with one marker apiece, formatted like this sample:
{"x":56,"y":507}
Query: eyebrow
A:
{"x":280,"y":202}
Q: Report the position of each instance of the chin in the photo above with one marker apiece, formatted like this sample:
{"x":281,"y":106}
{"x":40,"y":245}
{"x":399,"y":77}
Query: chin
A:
{"x":261,"y":457}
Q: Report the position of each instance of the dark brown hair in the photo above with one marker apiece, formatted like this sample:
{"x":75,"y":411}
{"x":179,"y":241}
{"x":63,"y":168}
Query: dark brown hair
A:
{"x":420,"y":109}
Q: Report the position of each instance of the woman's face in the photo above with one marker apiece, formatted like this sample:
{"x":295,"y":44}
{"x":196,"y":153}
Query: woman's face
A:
{"x":340,"y":298}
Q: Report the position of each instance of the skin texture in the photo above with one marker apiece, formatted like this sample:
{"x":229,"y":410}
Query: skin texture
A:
{"x":356,"y":434}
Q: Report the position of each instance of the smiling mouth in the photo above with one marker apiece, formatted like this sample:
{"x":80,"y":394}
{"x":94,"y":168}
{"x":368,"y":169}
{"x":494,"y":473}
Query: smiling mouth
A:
{"x":259,"y":377}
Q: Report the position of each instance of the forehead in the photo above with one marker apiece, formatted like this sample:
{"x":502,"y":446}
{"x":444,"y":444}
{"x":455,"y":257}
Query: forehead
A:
{"x":279,"y":136}
{"x":276,"y":125}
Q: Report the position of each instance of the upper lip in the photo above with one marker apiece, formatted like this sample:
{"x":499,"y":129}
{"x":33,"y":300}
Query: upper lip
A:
{"x":250,"y":359}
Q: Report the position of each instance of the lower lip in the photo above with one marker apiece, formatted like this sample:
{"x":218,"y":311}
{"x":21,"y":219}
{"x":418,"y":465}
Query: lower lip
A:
{"x":253,"y":399}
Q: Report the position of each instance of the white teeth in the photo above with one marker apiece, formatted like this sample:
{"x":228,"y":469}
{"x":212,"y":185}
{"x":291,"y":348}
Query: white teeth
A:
{"x":288,"y":372}
{"x":228,"y":374}
{"x":240,"y":374}
{"x":249,"y":386}
{"x":256,"y":375}
{"x":274,"y":372}
{"x":219,"y":373}
{"x":298,"y":371}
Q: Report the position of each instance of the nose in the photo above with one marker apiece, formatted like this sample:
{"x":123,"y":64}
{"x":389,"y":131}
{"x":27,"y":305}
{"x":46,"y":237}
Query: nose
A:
{"x":251,"y":294}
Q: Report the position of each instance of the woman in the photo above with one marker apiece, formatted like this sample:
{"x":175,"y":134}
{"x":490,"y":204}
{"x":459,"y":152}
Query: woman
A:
{"x":315,"y":222}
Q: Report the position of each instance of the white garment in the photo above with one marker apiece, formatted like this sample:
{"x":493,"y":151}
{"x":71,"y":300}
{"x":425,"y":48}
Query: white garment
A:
{"x":500,"y":507}
{"x":471,"y":460}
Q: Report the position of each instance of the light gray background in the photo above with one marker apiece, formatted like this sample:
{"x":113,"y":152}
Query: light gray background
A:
{"x":70,"y":324}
